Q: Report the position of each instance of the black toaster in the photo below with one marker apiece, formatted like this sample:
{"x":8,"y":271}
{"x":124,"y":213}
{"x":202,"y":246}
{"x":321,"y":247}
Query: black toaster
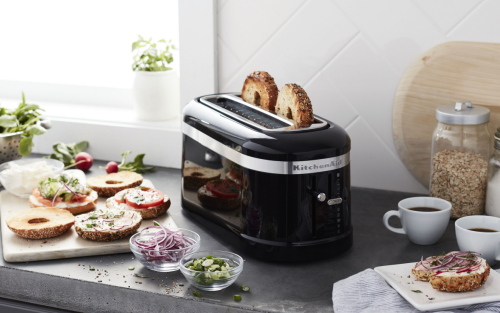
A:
{"x":289,"y":195}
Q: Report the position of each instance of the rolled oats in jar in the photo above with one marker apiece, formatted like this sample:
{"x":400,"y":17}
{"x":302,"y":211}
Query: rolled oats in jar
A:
{"x":460,"y":150}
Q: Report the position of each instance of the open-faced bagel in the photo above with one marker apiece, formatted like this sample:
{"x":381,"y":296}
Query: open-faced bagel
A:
{"x":40,"y":222}
{"x":294,"y":104}
{"x":260,"y":90}
{"x":107,"y":225}
{"x":111,"y":184}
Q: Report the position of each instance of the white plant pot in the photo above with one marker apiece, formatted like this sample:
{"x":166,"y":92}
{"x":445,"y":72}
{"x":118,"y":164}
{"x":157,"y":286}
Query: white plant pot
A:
{"x":156,"y":95}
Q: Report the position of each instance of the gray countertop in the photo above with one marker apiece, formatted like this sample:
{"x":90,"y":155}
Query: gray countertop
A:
{"x":275,"y":287}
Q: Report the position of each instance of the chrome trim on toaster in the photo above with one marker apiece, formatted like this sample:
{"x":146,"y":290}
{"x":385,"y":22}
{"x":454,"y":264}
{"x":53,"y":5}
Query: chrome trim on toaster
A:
{"x":267,"y":166}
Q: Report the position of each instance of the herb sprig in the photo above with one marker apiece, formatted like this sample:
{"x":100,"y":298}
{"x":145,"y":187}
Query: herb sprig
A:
{"x":135,"y":166}
{"x":66,"y":153}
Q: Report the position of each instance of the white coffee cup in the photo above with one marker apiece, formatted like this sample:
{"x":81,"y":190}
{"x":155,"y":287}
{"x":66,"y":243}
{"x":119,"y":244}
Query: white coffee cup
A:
{"x":488,"y":244}
{"x":423,"y":228}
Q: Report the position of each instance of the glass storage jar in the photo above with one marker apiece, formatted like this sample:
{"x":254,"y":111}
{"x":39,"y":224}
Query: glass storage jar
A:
{"x":460,"y":150}
{"x":493,"y":191}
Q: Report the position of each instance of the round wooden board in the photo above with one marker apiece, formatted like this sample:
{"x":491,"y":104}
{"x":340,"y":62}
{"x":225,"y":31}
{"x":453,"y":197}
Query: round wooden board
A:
{"x":449,"y":72}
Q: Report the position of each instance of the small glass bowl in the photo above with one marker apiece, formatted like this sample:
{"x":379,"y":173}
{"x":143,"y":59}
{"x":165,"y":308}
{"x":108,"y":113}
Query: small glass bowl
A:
{"x":21,"y":185}
{"x":163,"y":260}
{"x":205,"y":281}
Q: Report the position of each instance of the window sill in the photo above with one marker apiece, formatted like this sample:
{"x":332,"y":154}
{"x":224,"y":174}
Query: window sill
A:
{"x":109,"y":131}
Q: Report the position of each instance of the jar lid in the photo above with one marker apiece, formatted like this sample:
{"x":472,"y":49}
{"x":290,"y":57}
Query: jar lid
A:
{"x":462,"y":113}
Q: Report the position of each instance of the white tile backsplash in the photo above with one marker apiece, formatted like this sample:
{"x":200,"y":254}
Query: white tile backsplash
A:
{"x":446,"y":14}
{"x":368,"y":83}
{"x":398,"y":28}
{"x":253,"y":23}
{"x":299,"y":48}
{"x":329,"y":102}
{"x":350,"y":56}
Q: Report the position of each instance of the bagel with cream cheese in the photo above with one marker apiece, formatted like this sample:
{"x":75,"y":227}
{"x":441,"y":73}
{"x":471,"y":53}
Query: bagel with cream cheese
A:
{"x":65,"y":193}
{"x":147,"y":202}
{"x":453,"y":272}
{"x":107,"y":225}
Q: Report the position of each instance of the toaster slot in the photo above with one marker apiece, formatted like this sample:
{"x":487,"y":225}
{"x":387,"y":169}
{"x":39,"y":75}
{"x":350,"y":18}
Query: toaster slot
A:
{"x":235,"y":108}
{"x":250,"y":113}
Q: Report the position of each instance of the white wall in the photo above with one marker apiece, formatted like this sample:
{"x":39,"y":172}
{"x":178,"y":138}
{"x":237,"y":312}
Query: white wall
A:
{"x":350,"y":56}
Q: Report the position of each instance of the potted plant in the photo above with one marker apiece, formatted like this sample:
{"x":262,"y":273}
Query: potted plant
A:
{"x":156,"y":86}
{"x":17,"y":128}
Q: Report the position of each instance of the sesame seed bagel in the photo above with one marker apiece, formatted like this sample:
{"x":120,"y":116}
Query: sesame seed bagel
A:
{"x":146,"y":214}
{"x":111,"y":184}
{"x":260,"y":90}
{"x":460,"y":283}
{"x":422,"y":273}
{"x":453,"y":272}
{"x":106,"y":236}
{"x":294,"y":104}
{"x":107,"y":225}
{"x":40,"y":223}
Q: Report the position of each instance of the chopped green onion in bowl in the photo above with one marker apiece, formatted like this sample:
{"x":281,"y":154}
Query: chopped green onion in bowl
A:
{"x":211,"y":271}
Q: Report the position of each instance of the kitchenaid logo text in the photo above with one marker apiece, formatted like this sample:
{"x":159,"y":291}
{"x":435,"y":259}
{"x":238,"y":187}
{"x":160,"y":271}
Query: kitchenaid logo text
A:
{"x":334,"y":163}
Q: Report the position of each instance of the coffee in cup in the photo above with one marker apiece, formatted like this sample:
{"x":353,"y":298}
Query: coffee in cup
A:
{"x":424,"y":219}
{"x":479,"y":233}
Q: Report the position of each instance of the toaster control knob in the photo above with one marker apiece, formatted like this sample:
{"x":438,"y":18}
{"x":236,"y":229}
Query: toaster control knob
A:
{"x":319,"y":196}
{"x":334,"y":201}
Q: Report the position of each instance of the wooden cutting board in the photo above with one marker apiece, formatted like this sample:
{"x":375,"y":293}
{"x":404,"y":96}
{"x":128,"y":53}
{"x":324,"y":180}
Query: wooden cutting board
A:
{"x":449,"y":72}
{"x":68,"y":245}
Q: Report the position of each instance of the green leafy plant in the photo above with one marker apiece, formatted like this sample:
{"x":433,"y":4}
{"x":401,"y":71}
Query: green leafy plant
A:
{"x":150,"y":57}
{"x":66,"y":152}
{"x":136,"y":166}
{"x":23,"y":119}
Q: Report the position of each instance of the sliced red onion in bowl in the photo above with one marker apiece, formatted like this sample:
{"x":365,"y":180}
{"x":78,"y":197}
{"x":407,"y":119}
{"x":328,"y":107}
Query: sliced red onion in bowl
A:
{"x":163,"y":245}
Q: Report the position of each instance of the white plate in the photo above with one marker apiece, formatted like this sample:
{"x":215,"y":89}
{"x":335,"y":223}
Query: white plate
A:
{"x":397,"y":277}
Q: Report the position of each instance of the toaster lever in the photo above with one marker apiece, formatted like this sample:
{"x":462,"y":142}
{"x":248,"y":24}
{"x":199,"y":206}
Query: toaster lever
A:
{"x":319,"y":196}
{"x":334,"y":201}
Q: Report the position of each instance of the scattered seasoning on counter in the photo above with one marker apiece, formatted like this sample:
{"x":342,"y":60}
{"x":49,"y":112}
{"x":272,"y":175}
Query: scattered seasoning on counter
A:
{"x":432,"y":298}
{"x":140,"y":275}
{"x":245,"y":288}
{"x":196,"y":294}
{"x":181,"y":285}
{"x":417,"y":291}
{"x":91,"y":268}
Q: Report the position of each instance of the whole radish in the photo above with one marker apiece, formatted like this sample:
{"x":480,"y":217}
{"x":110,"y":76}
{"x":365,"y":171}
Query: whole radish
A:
{"x":111,"y":167}
{"x":84,"y":161}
